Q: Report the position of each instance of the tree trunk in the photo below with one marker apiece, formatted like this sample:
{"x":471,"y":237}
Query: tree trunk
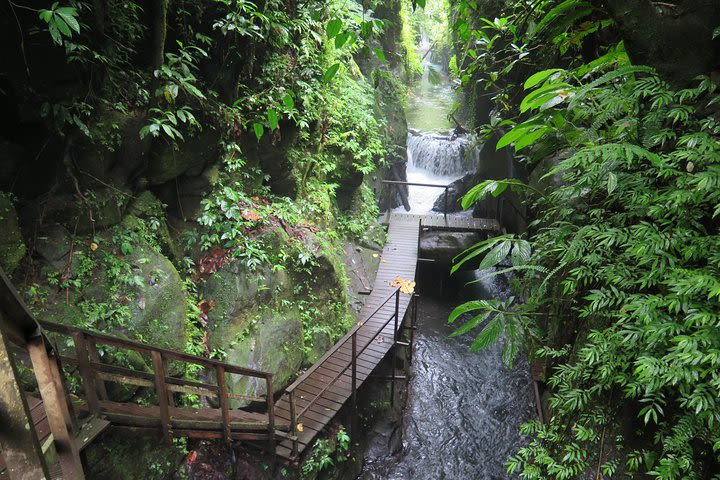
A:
{"x":674,"y":37}
{"x":158,"y":32}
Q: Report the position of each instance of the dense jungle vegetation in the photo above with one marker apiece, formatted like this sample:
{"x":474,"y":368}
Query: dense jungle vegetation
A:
{"x":187,"y":173}
{"x":612,"y":109}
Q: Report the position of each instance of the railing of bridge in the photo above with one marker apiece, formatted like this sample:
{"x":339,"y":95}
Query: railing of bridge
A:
{"x":352,"y":337}
{"x":430,"y":185}
{"x":91,"y":348}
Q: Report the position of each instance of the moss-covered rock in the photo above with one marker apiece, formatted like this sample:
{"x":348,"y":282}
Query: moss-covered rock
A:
{"x":118,"y":456}
{"x":189,"y":159}
{"x":160,"y":307}
{"x":12,"y":247}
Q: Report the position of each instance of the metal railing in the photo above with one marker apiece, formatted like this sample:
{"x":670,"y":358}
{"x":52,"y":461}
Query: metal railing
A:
{"x":352,"y":365}
{"x":431,"y":185}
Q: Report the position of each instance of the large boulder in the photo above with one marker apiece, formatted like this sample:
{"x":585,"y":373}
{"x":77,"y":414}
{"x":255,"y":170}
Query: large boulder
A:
{"x":12,"y":247}
{"x":455,"y":192}
{"x":255,"y":322}
{"x":444,"y":246}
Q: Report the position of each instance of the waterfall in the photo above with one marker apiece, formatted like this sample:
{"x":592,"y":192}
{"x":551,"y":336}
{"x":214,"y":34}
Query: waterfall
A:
{"x":442,"y":155}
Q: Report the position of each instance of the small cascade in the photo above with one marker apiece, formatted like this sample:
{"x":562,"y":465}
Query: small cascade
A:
{"x":442,"y":155}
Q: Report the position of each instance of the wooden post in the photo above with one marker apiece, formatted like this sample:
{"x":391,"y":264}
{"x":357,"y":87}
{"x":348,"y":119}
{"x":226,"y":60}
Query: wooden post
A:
{"x":397,"y":314}
{"x":271,"y":412}
{"x":94,"y":357}
{"x":293,"y":423}
{"x":224,"y":407}
{"x":162,"y":393}
{"x":67,"y":408}
{"x":88,"y":378}
{"x":18,"y":442}
{"x":354,"y":386}
{"x":53,"y":397}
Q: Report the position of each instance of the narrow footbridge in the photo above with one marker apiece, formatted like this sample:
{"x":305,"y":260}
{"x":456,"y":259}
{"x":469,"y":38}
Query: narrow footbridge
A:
{"x":64,"y":424}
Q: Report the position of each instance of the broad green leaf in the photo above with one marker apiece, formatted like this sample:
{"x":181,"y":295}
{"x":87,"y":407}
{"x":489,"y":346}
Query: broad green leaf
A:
{"x":272,"y":118}
{"x":468,"y":307}
{"x":289,"y":102}
{"x":68,"y":14}
{"x":488,"y":335}
{"x":496,"y":255}
{"x":420,"y":3}
{"x":341,"y":39}
{"x":379,"y":53}
{"x":330,"y":73}
{"x":540,"y":96}
{"x":611,"y":182}
{"x":61,"y":25}
{"x":333,"y":27}
{"x":531,"y":137}
{"x":521,"y":253}
{"x":470,"y":324}
{"x":540,"y":77}
{"x":259,"y":130}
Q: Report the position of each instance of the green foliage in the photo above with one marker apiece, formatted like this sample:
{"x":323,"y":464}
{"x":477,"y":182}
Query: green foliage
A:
{"x":619,"y":292}
{"x":325,"y":453}
{"x":61,"y":22}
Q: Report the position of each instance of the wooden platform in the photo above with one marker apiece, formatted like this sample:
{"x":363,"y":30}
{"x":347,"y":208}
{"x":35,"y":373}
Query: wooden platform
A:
{"x":399,"y":258}
{"x":88,"y":431}
{"x":457,"y":223}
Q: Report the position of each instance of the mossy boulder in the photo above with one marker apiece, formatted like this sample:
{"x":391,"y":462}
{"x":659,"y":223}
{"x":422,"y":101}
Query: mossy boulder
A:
{"x":12,"y":247}
{"x":118,"y":456}
{"x":190,"y":159}
{"x":159,"y":308}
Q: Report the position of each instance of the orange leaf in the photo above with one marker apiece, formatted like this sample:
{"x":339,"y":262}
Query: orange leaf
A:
{"x":250,"y":215}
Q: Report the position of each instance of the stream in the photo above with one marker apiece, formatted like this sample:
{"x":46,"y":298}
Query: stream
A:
{"x":464,"y":409}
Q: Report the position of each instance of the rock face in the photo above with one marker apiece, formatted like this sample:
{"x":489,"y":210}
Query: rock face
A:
{"x":456,"y":190}
{"x":444,"y":246}
{"x":276,"y":320}
{"x":12,"y":248}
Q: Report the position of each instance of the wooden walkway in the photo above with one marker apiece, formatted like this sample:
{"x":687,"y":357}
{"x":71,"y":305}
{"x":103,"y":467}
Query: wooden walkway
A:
{"x":287,"y":426}
{"x":456,"y":223}
{"x":316,"y":403}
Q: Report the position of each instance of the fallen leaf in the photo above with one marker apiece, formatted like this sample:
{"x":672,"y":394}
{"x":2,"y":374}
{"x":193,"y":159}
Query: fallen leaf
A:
{"x":141,"y":303}
{"x":93,"y":246}
{"x":299,"y":427}
{"x":191,"y":457}
{"x":375,"y":255}
{"x":250,"y":215}
{"x":406,"y":286}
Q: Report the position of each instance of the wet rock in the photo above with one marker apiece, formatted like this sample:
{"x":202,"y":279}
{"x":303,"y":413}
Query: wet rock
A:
{"x":444,"y":246}
{"x":119,"y":456}
{"x":12,"y":247}
{"x":456,"y":190}
{"x":53,"y":244}
{"x":190,"y":159}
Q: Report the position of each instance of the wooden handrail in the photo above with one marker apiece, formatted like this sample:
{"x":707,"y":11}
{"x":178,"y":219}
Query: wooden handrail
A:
{"x":148,"y":349}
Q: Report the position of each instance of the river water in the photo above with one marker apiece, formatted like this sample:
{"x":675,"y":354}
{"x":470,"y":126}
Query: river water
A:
{"x":464,"y":409}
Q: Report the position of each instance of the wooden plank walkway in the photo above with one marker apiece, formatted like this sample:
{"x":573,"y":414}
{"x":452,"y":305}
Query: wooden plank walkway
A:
{"x":88,"y":431}
{"x":399,"y":258}
{"x":456,"y":223}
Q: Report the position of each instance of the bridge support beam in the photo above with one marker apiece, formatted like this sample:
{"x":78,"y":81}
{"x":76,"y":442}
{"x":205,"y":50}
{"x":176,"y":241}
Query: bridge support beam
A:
{"x":18,"y":442}
{"x":53,"y":398}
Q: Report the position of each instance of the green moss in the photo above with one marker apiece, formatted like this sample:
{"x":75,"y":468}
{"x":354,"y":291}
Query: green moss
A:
{"x":12,"y":247}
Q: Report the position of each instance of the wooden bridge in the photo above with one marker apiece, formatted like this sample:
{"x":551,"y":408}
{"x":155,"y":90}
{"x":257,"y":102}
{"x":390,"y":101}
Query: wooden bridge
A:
{"x":68,"y":423}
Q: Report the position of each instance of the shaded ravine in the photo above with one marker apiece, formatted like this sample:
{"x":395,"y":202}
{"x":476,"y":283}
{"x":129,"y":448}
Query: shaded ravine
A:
{"x":463,"y":409}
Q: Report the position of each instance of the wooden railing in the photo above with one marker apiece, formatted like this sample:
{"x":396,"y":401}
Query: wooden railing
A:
{"x":351,"y":337}
{"x":431,"y":185}
{"x":88,"y":347}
